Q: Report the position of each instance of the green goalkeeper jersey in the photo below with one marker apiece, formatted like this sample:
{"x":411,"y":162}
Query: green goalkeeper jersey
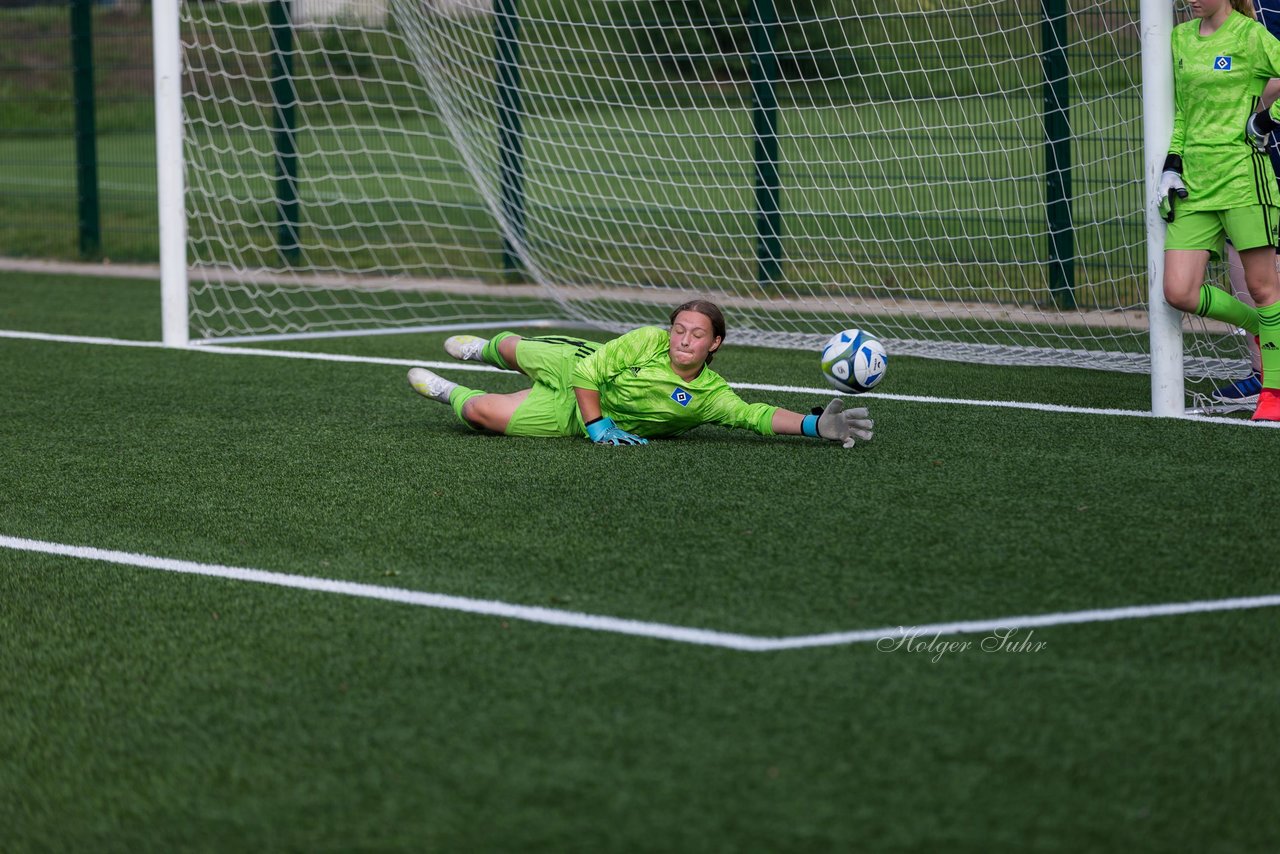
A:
{"x":1217,"y":81}
{"x":643,"y":395}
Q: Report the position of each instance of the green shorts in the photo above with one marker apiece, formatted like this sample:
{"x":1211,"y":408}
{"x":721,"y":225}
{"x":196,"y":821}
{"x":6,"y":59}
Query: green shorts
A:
{"x":551,"y":409}
{"x":1248,"y":228}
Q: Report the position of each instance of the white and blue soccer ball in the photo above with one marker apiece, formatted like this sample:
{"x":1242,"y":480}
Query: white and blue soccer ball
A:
{"x":854,"y":361}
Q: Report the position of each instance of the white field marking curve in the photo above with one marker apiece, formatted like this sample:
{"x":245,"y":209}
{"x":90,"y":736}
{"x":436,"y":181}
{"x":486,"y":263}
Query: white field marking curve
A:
{"x":621,"y":626}
{"x":468,"y":366}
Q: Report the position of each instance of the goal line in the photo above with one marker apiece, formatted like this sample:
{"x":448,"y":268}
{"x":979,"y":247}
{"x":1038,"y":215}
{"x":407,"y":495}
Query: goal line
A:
{"x":224,"y":350}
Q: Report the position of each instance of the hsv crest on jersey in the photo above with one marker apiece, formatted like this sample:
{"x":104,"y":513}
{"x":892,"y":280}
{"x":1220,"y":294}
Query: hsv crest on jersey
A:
{"x":681,"y":396}
{"x":1222,"y":63}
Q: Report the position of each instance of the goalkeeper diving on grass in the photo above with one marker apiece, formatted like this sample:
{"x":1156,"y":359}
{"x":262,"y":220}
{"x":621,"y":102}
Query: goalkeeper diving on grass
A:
{"x":647,"y":384}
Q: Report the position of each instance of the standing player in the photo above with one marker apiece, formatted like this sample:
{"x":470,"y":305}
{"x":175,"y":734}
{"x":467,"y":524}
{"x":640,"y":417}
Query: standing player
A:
{"x":1244,"y":391}
{"x":646,"y":384}
{"x":1216,"y":184}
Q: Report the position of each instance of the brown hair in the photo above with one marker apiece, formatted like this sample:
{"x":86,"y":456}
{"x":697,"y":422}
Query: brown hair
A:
{"x":1244,"y":7}
{"x":709,"y":310}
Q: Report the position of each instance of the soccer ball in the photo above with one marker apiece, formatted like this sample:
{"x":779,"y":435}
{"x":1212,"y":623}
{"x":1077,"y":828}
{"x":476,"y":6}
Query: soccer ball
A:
{"x":854,"y":361}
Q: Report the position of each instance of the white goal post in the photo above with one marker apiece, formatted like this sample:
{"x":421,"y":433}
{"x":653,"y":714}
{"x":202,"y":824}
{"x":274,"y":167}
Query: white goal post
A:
{"x":1167,"y":387}
{"x":967,"y":180}
{"x":170,"y":162}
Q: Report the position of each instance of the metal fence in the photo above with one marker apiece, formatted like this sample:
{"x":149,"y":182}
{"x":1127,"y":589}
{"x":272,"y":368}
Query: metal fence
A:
{"x":77,"y":161}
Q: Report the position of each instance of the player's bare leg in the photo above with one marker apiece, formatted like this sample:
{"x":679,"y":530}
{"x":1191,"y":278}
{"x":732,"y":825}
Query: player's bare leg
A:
{"x":493,"y":411}
{"x":1260,"y":275}
{"x":507,"y":349}
{"x":479,"y":409}
{"x":1185,"y":288}
{"x":1184,"y":271}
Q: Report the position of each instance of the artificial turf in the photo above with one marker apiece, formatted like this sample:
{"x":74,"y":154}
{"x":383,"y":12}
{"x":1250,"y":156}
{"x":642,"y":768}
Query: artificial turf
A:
{"x":151,"y":711}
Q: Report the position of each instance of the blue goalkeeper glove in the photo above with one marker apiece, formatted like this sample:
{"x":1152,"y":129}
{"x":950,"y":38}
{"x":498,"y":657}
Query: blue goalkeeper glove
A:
{"x":603,"y":431}
{"x":1258,"y":128}
{"x":1171,"y":186}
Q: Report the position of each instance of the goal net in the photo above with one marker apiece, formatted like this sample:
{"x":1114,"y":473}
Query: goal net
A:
{"x":962,"y":178}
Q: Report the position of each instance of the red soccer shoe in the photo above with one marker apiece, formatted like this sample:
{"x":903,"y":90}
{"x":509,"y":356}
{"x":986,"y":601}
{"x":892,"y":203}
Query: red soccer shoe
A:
{"x":1268,"y":405}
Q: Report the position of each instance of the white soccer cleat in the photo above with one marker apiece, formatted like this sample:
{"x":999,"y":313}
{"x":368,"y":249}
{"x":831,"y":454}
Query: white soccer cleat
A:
{"x":465,"y":347}
{"x":431,"y":385}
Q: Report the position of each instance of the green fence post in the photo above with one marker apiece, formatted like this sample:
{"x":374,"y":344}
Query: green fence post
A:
{"x":764,"y":118}
{"x":1057,"y":151}
{"x":88,"y":214}
{"x":506,"y":38}
{"x":284,"y":130}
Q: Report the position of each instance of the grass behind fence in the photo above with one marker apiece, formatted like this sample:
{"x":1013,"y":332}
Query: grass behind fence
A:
{"x":870,"y":220}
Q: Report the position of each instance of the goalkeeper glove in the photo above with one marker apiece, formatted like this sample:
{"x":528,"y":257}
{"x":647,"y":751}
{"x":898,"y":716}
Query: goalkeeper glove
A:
{"x":1258,"y":128}
{"x":1170,"y":185}
{"x":838,"y":424}
{"x":603,"y":431}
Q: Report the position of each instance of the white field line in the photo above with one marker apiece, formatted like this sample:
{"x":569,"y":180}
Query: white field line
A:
{"x":75,"y":339}
{"x":636,"y":628}
{"x":1008,"y":404}
{"x":471,"y":366}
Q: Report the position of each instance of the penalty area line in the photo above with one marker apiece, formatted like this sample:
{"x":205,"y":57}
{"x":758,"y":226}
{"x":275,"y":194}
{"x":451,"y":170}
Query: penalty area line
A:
{"x":621,"y":626}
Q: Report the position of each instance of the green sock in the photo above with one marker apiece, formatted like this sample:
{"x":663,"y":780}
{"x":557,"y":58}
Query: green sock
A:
{"x":490,"y":352}
{"x":1220,"y":305}
{"x":459,"y":396}
{"x":1269,"y":338}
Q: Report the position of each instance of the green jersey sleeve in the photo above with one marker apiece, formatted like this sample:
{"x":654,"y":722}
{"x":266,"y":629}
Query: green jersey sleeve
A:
{"x":728,"y":410}
{"x":1266,"y":49}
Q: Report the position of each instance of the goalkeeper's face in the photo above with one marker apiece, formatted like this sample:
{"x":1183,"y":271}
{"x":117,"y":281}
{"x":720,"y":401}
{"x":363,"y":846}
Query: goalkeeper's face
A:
{"x":1207,"y":8}
{"x":692,"y":339}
